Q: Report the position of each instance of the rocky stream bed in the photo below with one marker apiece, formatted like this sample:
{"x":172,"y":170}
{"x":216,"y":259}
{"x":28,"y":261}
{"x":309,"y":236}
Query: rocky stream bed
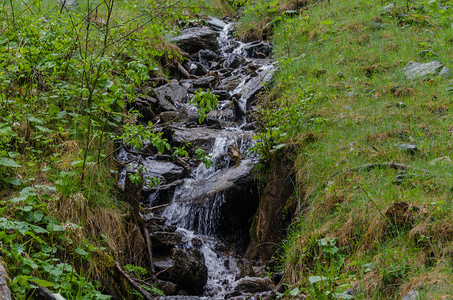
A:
{"x":200,"y":218}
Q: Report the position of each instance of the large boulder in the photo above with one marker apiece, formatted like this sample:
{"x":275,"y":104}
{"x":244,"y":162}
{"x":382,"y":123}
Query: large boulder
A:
{"x":253,"y":285}
{"x":189,"y":271}
{"x":194,"y":39}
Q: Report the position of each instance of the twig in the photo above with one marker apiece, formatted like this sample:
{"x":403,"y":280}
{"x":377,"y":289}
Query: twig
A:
{"x":164,"y":270}
{"x":157,"y":207}
{"x":148,"y":246}
{"x":374,"y":203}
{"x":137,"y":287}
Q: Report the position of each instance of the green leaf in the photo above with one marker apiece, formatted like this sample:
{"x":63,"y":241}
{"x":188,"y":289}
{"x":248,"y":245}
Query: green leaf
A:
{"x":13,"y":181}
{"x":41,"y":282}
{"x":8,"y":162}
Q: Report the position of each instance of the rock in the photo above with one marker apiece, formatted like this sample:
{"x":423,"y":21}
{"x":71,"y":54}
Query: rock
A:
{"x":216,"y":23}
{"x":5,"y":293}
{"x":414,"y":70}
{"x":165,"y":239}
{"x":253,"y":285}
{"x":445,"y":72}
{"x":170,"y":94}
{"x":196,"y":68}
{"x":196,"y":38}
{"x":257,"y":49}
{"x":189,"y":271}
{"x":223,"y":94}
{"x":442,"y":160}
{"x":169,"y":288}
{"x":233,"y":61}
{"x":227,"y":198}
{"x":165,"y":171}
{"x":254,"y":85}
{"x":229,"y":83}
{"x":69,"y":4}
{"x":162,"y":263}
{"x":389,"y":7}
{"x":205,"y":82}
{"x":205,"y":56}
{"x":412,"y":295}
{"x":142,"y":104}
{"x":277,"y":277}
{"x":352,"y":292}
{"x":408,"y":148}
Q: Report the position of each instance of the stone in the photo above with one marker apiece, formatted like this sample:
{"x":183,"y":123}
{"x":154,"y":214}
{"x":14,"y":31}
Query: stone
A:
{"x":257,"y":49}
{"x":229,"y":83}
{"x":216,"y":23}
{"x":233,"y":61}
{"x":408,"y":148}
{"x":204,"y":82}
{"x":412,"y":295}
{"x":169,"y":288}
{"x":445,"y":73}
{"x":256,"y":84}
{"x":389,"y":7}
{"x":352,"y":292}
{"x":189,"y":271}
{"x":414,"y":70}
{"x":171,"y":93}
{"x":196,"y":68}
{"x":223,"y":94}
{"x":165,"y":239}
{"x":253,"y":285}
{"x":441,"y":160}
{"x":165,"y":171}
{"x":205,"y":56}
{"x":195,"y":39}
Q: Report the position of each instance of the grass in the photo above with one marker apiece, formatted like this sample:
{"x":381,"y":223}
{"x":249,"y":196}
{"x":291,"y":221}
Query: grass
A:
{"x":350,"y":53}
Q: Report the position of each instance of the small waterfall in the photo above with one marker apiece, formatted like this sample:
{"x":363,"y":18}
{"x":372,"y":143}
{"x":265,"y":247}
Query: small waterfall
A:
{"x":211,"y":208}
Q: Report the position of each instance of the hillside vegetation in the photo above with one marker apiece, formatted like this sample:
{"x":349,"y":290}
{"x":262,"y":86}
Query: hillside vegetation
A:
{"x":373,"y":162}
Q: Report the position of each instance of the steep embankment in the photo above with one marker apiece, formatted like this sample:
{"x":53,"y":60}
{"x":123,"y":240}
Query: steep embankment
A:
{"x":363,"y":94}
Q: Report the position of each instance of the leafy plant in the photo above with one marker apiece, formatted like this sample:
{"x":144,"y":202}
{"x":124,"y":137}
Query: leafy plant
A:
{"x":205,"y":102}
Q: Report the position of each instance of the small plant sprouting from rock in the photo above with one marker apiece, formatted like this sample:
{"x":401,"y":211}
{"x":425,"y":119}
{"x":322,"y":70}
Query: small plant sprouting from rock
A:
{"x":206,"y":159}
{"x":205,"y":102}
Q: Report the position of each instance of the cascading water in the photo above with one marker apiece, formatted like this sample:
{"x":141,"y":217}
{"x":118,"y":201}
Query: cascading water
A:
{"x":211,"y":208}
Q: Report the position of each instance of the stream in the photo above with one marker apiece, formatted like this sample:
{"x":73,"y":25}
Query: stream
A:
{"x":199,"y":217}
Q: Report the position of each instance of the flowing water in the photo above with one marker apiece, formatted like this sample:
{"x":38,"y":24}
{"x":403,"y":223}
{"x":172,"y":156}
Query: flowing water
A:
{"x":198,"y":199}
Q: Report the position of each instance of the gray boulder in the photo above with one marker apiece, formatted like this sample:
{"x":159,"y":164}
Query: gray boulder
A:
{"x":253,"y":285}
{"x":194,"y":39}
{"x":414,"y":70}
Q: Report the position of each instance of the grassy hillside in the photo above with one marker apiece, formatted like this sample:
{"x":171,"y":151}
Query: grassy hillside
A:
{"x":342,"y":99}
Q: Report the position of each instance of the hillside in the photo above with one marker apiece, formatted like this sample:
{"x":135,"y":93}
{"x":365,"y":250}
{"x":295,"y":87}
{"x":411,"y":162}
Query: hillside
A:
{"x":363,"y":96}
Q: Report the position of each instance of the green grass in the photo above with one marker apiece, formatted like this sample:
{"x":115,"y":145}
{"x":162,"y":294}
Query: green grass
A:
{"x":350,"y":53}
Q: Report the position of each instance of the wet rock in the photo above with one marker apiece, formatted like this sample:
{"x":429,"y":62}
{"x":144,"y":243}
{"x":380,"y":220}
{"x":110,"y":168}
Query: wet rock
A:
{"x":412,"y":295}
{"x":253,"y":285}
{"x":162,"y":263}
{"x":205,"y":56}
{"x":229,"y":83}
{"x":156,"y":82}
{"x":196,"y":68}
{"x":196,"y":38}
{"x":258,"y":49}
{"x":233,"y":61}
{"x":170,"y":116}
{"x":254,"y":85}
{"x":165,"y":239}
{"x":165,"y":171}
{"x":189,"y":271}
{"x":216,"y":23}
{"x":277,"y":277}
{"x":170,"y":94}
{"x":144,"y":107}
{"x":169,"y":288}
{"x":223,"y":94}
{"x":205,"y":82}
{"x":414,"y":70}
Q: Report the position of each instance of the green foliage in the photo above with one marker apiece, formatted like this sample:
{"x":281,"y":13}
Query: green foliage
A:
{"x":32,"y":244}
{"x":203,"y":157}
{"x":136,"y":135}
{"x":205,"y":102}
